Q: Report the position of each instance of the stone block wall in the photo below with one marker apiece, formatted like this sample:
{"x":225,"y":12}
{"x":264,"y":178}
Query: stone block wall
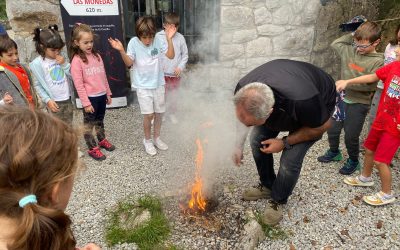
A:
{"x":253,"y":32}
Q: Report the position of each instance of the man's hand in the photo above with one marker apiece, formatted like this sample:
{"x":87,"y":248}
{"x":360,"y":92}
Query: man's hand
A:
{"x":178,"y":72}
{"x":341,"y":85}
{"x":116,"y":44}
{"x":398,"y":126}
{"x":60,"y":59}
{"x":109,"y":100}
{"x":272,"y":146}
{"x":237,"y":156}
{"x":89,"y":109}
{"x":52,"y":105}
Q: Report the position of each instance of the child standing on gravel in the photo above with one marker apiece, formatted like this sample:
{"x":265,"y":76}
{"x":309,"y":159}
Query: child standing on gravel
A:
{"x":90,"y":80}
{"x":384,"y":137}
{"x":358,"y":57}
{"x":143,"y":54}
{"x":15,"y":79}
{"x":173,"y":67}
{"x":51,"y":72}
{"x":38,"y":162}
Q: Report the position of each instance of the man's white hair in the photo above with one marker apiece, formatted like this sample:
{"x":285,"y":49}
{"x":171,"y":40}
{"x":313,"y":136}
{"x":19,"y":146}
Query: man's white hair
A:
{"x":256,"y":98}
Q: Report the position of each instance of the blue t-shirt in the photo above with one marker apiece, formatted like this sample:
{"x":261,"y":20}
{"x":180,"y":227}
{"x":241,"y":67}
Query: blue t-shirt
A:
{"x":147,"y":71}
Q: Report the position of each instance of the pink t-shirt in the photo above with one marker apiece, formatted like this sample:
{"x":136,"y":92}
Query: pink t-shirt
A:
{"x":90,"y":78}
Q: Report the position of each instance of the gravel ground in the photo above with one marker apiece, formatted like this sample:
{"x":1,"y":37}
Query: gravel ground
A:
{"x":322,"y":213}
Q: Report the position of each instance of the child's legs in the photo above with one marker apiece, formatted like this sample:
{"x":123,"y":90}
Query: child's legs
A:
{"x":386,"y":177}
{"x":65,"y":112}
{"x":370,"y":145}
{"x":171,"y":92}
{"x":334,"y":134}
{"x":146,"y":104}
{"x":374,"y":107}
{"x":159,"y":109}
{"x":99,"y":104}
{"x":385,"y":150}
{"x":147,"y":118}
{"x":89,"y":122}
{"x":368,"y":163}
{"x":353,"y":124}
{"x":157,"y":124}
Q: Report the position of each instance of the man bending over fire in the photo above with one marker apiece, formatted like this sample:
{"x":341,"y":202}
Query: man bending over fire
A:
{"x":281,"y":95}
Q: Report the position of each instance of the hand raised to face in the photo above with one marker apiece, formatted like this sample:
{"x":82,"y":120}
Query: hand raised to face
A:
{"x":170,"y":31}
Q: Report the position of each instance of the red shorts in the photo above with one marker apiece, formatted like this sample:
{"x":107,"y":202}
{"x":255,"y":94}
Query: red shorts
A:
{"x":171,"y":83}
{"x":383,"y":144}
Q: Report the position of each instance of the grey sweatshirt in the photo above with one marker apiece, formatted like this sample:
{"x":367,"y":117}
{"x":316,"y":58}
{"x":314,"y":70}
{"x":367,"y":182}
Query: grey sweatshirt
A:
{"x":181,"y":54}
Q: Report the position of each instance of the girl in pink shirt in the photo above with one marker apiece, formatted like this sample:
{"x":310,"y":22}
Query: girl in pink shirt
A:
{"x":88,"y":73}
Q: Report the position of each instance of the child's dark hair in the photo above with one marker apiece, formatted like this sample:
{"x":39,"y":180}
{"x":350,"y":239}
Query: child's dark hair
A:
{"x":6,"y":43}
{"x":395,"y":38}
{"x":76,"y":36}
{"x":370,"y":31}
{"x":37,"y":151}
{"x":172,"y":18}
{"x":47,"y":38}
{"x":145,"y":26}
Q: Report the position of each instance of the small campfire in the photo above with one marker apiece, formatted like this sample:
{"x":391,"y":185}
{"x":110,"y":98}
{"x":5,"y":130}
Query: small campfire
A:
{"x":197,"y":202}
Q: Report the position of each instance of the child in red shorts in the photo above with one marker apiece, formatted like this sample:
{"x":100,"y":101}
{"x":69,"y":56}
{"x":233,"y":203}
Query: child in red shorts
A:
{"x":384,"y":137}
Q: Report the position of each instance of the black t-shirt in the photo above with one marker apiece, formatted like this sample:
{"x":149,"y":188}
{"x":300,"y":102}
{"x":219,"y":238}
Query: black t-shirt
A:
{"x":304,"y":94}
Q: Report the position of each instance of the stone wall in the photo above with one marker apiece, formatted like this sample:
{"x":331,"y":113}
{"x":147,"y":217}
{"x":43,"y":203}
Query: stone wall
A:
{"x":253,"y":32}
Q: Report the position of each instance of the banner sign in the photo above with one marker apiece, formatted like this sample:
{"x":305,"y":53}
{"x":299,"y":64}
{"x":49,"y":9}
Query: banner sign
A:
{"x":103,"y":16}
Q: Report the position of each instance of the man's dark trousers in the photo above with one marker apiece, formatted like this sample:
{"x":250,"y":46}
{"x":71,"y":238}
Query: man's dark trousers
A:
{"x":291,"y":161}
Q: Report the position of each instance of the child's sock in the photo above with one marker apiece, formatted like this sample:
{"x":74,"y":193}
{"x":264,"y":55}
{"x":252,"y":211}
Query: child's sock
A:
{"x":387,"y":196}
{"x":148,"y":141}
{"x":364,"y":179}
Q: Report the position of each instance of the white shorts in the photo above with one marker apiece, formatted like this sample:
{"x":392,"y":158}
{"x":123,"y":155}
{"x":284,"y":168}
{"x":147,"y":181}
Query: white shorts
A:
{"x":151,"y":100}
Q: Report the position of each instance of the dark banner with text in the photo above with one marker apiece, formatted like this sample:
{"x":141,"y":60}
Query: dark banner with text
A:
{"x":104,"y":18}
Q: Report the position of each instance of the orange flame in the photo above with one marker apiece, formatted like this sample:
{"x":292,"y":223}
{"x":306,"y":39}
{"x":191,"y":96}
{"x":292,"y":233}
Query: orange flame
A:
{"x":197,"y":201}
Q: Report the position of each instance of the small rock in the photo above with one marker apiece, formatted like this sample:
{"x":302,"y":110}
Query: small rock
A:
{"x":252,"y":235}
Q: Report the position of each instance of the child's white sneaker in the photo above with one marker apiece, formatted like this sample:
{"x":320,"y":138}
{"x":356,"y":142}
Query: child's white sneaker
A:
{"x":149,"y":147}
{"x":160,"y":144}
{"x":357,"y":181}
{"x":379,"y":199}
